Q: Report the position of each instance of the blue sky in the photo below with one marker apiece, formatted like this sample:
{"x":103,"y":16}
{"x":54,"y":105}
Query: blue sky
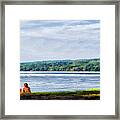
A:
{"x":59,"y":39}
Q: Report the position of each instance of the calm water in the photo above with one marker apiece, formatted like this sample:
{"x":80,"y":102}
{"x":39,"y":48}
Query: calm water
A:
{"x":60,"y":82}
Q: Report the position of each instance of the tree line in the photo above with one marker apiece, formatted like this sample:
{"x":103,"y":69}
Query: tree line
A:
{"x":62,"y":65}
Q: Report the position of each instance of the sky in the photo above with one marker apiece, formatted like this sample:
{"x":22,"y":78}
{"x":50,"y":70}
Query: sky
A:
{"x":42,"y":40}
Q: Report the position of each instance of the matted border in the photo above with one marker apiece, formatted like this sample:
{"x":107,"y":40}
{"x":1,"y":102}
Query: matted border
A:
{"x":55,"y":2}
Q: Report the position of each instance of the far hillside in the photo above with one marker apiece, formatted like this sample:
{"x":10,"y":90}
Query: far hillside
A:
{"x":62,"y":65}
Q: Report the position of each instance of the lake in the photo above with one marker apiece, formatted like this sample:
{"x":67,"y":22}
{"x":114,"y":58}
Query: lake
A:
{"x":60,"y":81}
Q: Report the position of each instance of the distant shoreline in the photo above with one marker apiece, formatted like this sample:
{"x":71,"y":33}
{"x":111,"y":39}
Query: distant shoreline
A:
{"x":62,"y":65}
{"x":59,"y":60}
{"x":59,"y":72}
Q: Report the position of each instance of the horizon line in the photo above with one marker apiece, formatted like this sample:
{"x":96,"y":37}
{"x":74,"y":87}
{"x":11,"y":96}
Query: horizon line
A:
{"x":58,"y":60}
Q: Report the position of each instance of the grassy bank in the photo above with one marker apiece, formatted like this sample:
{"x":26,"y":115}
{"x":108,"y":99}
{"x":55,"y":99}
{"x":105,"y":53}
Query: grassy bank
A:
{"x":89,"y":94}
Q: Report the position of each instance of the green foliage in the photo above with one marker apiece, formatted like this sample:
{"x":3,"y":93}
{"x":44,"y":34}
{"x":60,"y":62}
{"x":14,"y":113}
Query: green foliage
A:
{"x":71,"y":93}
{"x":62,"y":65}
{"x":93,"y":89}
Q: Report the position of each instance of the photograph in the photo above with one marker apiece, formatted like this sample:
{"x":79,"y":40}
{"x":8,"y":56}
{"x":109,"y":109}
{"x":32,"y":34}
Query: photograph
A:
{"x":60,"y":59}
{"x":60,"y":54}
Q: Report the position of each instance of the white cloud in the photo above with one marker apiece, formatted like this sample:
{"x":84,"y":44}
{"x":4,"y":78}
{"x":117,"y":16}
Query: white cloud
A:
{"x":76,"y":39}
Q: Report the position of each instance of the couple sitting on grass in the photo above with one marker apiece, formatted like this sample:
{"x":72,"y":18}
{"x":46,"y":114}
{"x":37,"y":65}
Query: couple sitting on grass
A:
{"x":25,"y":91}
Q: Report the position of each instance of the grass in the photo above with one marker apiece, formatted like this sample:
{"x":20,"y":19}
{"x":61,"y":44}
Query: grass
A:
{"x":74,"y":93}
{"x":81,"y":94}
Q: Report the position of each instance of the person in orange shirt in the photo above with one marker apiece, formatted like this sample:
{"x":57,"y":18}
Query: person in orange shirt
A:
{"x":26,"y":91}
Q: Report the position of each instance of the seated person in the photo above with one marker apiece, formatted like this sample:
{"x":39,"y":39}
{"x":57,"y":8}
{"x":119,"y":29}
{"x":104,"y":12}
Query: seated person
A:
{"x":26,"y":90}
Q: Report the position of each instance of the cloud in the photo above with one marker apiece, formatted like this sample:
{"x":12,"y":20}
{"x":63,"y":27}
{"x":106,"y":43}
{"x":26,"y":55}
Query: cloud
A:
{"x":59,"y":39}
